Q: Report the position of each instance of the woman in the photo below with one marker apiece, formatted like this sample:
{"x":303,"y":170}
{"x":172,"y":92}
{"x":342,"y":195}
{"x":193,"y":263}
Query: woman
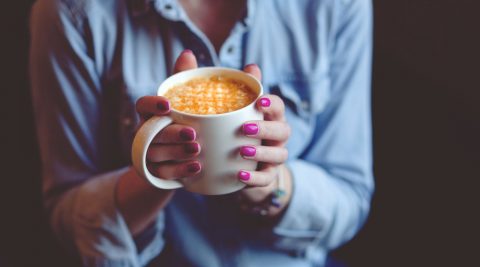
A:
{"x":94,"y":64}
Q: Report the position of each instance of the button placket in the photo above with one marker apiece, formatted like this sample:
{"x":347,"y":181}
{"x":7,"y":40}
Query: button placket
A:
{"x":305,"y":105}
{"x":230,"y":54}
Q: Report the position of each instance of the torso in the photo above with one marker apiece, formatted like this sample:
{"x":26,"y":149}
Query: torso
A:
{"x":215,"y":18}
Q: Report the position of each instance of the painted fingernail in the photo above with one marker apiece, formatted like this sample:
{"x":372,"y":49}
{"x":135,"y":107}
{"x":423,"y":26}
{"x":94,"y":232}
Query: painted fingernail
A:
{"x":163,"y":106}
{"x":191,"y":148}
{"x":248,"y":151}
{"x":187,"y":134}
{"x":265,"y":102}
{"x":193,"y":167}
{"x":243,"y":175}
{"x":187,"y":51}
{"x":250,"y":129}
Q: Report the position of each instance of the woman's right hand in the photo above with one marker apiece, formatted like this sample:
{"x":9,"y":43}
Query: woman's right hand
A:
{"x":172,"y":153}
{"x":138,"y":201}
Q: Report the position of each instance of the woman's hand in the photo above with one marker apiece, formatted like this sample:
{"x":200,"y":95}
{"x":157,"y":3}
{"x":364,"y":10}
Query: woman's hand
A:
{"x":172,"y":153}
{"x":138,"y":201}
{"x":274,"y":132}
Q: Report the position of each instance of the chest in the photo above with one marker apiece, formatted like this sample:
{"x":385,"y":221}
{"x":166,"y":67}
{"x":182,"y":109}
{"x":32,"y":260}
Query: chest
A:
{"x":291,"y":69}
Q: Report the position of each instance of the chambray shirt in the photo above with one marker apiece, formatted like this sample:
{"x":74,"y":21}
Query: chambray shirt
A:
{"x":92,"y":59}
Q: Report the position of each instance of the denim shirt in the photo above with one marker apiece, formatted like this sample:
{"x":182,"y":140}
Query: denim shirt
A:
{"x":92,"y":59}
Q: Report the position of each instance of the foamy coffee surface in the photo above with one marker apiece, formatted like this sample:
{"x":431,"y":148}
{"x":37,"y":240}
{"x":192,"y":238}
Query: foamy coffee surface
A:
{"x":213,"y":95}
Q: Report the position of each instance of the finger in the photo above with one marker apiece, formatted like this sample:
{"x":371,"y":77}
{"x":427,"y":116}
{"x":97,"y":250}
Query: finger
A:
{"x":175,"y":133}
{"x":268,"y":154}
{"x":162,"y":152}
{"x":254,"y":194}
{"x":268,"y":130}
{"x":257,"y":178}
{"x":148,"y":106}
{"x":175,"y":170}
{"x":254,"y":70}
{"x":272,"y":107}
{"x":185,"y":61}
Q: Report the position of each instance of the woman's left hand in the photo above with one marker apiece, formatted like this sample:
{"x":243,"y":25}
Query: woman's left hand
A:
{"x":271,"y":155}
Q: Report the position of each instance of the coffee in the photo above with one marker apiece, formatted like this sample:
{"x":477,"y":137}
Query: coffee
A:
{"x":213,"y":95}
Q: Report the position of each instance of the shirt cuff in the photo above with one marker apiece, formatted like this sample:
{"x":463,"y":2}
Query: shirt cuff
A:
{"x":99,"y":232}
{"x":302,"y":222}
{"x":324,"y":211}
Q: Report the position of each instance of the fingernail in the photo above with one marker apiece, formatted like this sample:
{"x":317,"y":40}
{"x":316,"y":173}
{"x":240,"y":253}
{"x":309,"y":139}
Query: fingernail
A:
{"x":163,"y":106}
{"x":191,"y":148}
{"x":243,"y":175}
{"x":187,"y":134}
{"x":251,"y":65}
{"x":248,"y":151}
{"x":187,"y":51}
{"x":250,"y":129}
{"x":265,"y":102}
{"x":193,"y":167}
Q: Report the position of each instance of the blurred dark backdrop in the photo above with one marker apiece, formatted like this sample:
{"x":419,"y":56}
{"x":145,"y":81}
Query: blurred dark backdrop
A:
{"x":426,"y":115}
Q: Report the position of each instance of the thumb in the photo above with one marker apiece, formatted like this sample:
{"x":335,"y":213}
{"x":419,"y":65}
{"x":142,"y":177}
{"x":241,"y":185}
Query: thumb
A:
{"x":185,"y":61}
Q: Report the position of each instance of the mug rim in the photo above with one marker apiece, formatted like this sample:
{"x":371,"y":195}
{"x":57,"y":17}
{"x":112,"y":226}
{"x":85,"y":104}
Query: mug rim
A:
{"x":176,"y":75}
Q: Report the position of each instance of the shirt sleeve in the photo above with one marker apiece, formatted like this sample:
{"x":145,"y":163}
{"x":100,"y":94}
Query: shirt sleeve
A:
{"x":333,"y":179}
{"x":78,"y":180}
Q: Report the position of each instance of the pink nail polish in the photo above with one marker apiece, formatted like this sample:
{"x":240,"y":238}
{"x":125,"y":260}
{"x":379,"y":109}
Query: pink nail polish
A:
{"x":187,"y":134}
{"x":163,"y":106}
{"x":250,"y":129}
{"x":191,"y":148}
{"x":193,"y":167}
{"x":265,"y":102}
{"x":248,"y":151}
{"x":243,"y":175}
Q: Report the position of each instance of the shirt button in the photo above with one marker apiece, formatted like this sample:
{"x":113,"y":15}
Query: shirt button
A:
{"x":305,"y":105}
{"x":230,"y":49}
{"x":201,"y":56}
{"x":168,"y":7}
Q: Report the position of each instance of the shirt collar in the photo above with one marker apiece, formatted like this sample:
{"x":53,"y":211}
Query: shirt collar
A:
{"x":171,"y":9}
{"x":139,"y":7}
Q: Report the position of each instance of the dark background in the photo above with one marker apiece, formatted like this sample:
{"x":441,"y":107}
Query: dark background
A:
{"x":426,"y":115}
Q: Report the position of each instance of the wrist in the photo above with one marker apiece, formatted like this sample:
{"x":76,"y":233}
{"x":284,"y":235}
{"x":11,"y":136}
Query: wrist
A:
{"x":281,"y":195}
{"x":270,"y":201}
{"x":138,"y":201}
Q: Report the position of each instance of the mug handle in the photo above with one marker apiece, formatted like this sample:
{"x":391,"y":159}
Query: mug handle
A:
{"x":141,"y":142}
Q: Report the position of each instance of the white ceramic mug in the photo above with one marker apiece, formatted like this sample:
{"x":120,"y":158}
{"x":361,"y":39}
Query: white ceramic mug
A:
{"x":219,"y":135}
